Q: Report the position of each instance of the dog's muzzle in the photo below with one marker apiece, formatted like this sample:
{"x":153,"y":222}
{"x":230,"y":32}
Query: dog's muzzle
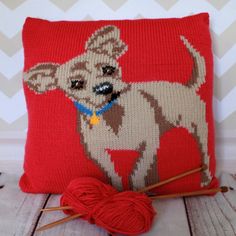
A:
{"x":104,"y":88}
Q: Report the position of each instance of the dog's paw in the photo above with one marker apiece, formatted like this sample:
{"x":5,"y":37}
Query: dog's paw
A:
{"x":206,"y":178}
{"x":117,"y":183}
{"x":205,"y":184}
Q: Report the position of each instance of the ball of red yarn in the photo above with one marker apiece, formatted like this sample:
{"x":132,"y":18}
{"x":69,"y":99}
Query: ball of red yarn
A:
{"x":128,"y":212}
{"x":83,"y":194}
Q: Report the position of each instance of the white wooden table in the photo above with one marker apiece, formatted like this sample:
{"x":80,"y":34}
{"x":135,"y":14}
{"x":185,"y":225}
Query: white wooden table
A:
{"x":199,"y":216}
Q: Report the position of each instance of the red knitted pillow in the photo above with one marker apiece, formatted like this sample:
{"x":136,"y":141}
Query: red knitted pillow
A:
{"x":128,"y":102}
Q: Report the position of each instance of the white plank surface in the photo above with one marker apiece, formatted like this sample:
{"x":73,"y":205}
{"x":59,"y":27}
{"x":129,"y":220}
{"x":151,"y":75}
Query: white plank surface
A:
{"x":18,"y":210}
{"x":215,"y":215}
{"x":171,"y":219}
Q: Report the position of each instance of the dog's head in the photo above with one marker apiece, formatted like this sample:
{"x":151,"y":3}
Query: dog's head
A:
{"x":93,"y":78}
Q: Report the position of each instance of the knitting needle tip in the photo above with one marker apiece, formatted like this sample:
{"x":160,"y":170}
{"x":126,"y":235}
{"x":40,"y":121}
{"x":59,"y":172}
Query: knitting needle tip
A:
{"x":56,"y":208}
{"x":224,"y":189}
{"x":58,"y":222}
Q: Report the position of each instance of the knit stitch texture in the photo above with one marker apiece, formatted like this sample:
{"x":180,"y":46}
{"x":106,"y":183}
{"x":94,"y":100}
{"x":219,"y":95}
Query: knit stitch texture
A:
{"x":128,"y":102}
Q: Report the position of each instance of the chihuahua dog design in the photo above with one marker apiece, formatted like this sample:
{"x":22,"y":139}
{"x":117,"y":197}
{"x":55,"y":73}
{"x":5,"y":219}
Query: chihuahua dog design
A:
{"x":115,"y":115}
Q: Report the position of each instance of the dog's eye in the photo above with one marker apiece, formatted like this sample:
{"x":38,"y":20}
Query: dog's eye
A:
{"x":77,"y":84}
{"x":108,"y":70}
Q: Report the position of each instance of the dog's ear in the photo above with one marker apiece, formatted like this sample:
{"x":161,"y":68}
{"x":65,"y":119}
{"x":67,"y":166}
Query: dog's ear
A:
{"x":107,"y":41}
{"x":41,"y":77}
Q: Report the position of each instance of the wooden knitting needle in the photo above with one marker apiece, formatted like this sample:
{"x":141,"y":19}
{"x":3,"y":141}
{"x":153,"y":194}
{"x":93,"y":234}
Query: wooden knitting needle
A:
{"x":145,"y":189}
{"x":56,"y":208}
{"x":58,"y":222}
{"x":203,"y":167}
{"x":222,"y":189}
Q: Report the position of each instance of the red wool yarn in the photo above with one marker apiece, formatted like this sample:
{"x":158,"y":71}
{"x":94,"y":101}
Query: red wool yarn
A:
{"x":83,"y":194}
{"x":128,"y":212}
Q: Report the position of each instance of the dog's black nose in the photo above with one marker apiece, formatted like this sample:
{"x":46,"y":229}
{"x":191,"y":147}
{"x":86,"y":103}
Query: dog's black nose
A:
{"x":103,"y":88}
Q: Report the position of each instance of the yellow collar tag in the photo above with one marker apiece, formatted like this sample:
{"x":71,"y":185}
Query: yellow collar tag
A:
{"x":94,"y":120}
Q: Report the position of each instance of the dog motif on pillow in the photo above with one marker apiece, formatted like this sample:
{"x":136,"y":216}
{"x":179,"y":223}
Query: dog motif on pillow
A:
{"x":110,"y":111}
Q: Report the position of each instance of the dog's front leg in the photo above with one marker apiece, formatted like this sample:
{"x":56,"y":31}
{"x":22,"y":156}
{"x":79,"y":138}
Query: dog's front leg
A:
{"x":145,"y":171}
{"x":103,"y":160}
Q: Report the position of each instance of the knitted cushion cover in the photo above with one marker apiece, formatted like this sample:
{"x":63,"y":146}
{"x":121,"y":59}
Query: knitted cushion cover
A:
{"x":128,"y":102}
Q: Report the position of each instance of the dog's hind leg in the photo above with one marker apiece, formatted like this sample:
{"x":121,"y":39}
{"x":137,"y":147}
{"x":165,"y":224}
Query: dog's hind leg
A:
{"x":200,"y":133}
{"x":145,"y":170}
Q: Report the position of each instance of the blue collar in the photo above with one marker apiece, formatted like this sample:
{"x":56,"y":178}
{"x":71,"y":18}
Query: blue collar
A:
{"x":99,"y":112}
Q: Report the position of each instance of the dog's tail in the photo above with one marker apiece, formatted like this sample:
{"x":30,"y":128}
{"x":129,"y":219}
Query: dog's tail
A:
{"x":199,"y":66}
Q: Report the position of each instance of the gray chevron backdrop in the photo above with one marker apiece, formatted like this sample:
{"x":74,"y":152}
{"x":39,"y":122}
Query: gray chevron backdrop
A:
{"x":13,"y":116}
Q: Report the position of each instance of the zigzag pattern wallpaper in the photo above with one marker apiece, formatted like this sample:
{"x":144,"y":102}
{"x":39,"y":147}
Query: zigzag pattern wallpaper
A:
{"x":13,"y":116}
